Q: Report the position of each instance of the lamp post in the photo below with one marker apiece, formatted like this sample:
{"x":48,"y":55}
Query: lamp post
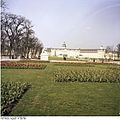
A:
{"x":65,"y":54}
{"x":64,"y":45}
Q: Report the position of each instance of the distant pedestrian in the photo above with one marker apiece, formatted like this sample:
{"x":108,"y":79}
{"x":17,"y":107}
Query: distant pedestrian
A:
{"x":64,"y":58}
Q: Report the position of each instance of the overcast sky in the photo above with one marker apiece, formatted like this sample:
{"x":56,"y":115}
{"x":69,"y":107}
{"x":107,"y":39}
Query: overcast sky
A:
{"x":80,"y":23}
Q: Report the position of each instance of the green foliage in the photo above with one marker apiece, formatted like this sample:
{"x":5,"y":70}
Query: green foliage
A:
{"x":47,"y":97}
{"x":11,"y":92}
{"x":87,"y":75}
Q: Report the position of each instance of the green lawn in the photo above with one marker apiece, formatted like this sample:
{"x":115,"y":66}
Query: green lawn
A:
{"x":46,"y":97}
{"x":61,"y":58}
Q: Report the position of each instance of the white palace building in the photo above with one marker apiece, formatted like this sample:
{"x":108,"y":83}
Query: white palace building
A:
{"x":81,"y":53}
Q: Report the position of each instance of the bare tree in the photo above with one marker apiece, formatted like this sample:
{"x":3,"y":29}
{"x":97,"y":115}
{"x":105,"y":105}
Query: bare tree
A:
{"x":3,"y":5}
{"x":18,"y":36}
{"x":109,"y":49}
{"x":4,"y":43}
{"x":12,"y":26}
{"x":118,"y":50}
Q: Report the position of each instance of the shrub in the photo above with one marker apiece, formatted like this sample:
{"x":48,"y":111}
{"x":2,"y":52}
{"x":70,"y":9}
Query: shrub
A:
{"x":87,"y":75}
{"x":10,"y":94}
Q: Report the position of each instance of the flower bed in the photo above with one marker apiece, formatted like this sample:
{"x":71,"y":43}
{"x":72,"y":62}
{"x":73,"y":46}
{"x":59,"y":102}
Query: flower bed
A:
{"x":10,"y":94}
{"x":17,"y":65}
{"x":74,"y":64}
{"x":32,"y":61}
{"x":87,"y":75}
{"x":87,"y":64}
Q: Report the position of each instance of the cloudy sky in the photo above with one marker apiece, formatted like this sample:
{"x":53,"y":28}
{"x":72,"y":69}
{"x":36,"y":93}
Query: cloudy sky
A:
{"x":80,"y":23}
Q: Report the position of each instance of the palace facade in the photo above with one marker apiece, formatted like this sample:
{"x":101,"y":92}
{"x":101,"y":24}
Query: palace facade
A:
{"x":81,"y":53}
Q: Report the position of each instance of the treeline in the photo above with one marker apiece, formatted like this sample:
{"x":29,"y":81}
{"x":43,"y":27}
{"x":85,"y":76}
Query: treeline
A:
{"x":18,"y":37}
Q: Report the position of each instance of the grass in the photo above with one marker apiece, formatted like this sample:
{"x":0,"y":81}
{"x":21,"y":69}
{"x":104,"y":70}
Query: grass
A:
{"x":55,"y":58}
{"x":47,"y":97}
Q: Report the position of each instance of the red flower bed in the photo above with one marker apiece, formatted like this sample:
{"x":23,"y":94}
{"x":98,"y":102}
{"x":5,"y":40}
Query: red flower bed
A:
{"x":17,"y":65}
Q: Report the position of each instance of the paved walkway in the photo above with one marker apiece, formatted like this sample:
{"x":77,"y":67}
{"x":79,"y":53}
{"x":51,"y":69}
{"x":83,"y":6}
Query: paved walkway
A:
{"x":63,"y":61}
{"x":116,"y":62}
